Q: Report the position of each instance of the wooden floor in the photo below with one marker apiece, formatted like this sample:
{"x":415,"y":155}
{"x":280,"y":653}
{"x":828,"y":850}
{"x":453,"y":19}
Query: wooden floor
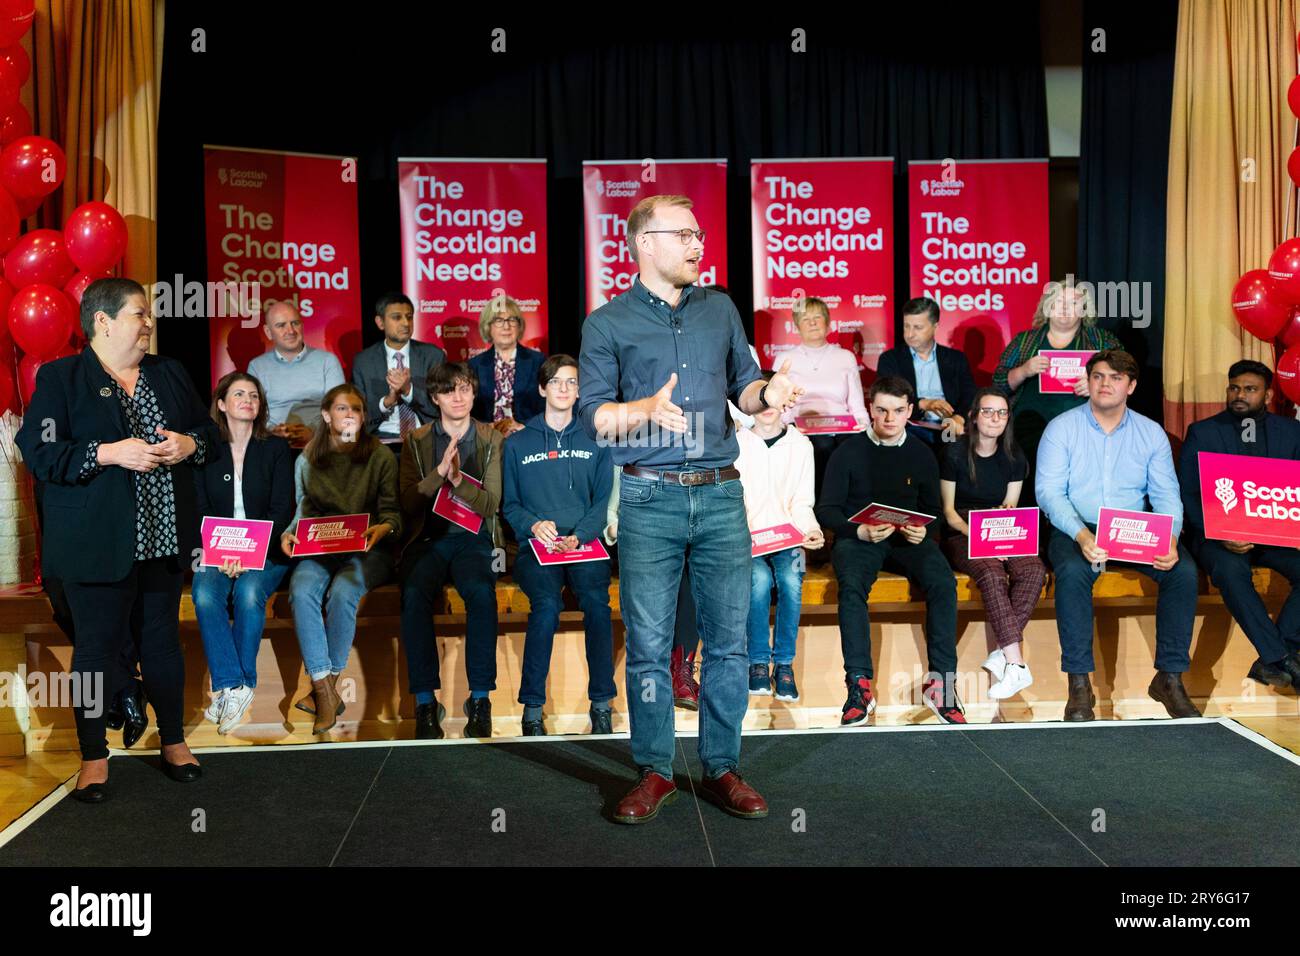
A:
{"x":25,"y":781}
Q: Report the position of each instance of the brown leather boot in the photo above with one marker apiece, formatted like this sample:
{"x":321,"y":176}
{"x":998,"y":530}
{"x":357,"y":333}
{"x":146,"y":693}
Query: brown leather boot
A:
{"x":327,"y":706}
{"x":308,"y":703}
{"x":686,"y":690}
{"x":334,"y":686}
{"x":1079,"y":706}
{"x":1168,"y":689}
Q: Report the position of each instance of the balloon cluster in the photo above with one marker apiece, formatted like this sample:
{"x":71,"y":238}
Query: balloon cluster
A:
{"x":45,"y":270}
{"x":1267,"y":301}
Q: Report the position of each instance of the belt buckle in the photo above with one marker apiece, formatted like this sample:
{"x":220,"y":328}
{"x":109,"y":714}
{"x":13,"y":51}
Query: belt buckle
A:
{"x":694,"y":477}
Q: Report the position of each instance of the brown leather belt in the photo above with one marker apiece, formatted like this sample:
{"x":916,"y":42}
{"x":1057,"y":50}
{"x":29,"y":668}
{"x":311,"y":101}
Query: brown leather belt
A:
{"x":713,"y":476}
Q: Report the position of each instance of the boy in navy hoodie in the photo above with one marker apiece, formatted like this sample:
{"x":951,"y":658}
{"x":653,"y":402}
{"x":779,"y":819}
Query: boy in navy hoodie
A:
{"x":556,"y":487}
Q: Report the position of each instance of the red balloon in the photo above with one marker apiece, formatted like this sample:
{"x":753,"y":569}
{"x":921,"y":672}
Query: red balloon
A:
{"x":96,"y":236}
{"x":32,"y":167}
{"x":15,"y":123}
{"x":76,"y":286}
{"x":1293,"y":165}
{"x":1287,"y":373}
{"x":1283,"y":269}
{"x":18,"y":61}
{"x":41,"y":319}
{"x":15,"y":19}
{"x":10,"y":222}
{"x":11,"y":85}
{"x":1254,"y":301}
{"x":1290,"y":334}
{"x":40,"y":256}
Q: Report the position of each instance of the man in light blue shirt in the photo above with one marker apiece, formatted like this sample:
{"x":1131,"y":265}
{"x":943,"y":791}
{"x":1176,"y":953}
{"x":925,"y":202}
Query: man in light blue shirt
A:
{"x":294,"y":376}
{"x":1103,"y":455}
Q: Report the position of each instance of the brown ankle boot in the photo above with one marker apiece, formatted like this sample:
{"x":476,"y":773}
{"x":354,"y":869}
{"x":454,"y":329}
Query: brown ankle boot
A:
{"x":308,"y":703}
{"x":1079,"y":706}
{"x":327,"y":706}
{"x":334,"y":685}
{"x":1168,"y":689}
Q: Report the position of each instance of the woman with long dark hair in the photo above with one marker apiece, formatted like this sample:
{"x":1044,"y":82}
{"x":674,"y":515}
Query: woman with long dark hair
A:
{"x":250,"y":477}
{"x":343,"y":470}
{"x":985,"y":469}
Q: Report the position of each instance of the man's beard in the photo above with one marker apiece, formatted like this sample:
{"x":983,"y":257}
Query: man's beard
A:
{"x":1250,"y":413}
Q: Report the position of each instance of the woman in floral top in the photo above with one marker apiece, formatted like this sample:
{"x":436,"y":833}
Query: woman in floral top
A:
{"x":507,"y":372}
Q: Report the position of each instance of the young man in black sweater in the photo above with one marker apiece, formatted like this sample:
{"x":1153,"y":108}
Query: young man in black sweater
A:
{"x":883,"y":465}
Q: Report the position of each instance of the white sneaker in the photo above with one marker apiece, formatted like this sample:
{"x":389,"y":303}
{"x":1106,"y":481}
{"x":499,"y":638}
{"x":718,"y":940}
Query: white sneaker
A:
{"x":1015,"y":679}
{"x":213,"y":713}
{"x":237,"y":704}
{"x":996,"y":664}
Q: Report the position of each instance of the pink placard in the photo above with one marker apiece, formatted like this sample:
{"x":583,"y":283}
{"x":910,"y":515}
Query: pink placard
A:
{"x":826,"y":424}
{"x":1136,"y":536}
{"x":776,"y":538}
{"x":225,"y":539}
{"x":335,"y":534}
{"x":1247,"y":498}
{"x":591,"y":551}
{"x":887,"y":514}
{"x":1003,"y":533}
{"x":448,"y":505}
{"x":1064,"y":368}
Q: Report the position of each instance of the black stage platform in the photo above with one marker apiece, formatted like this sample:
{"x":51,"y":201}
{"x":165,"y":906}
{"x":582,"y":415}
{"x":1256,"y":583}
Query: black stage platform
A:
{"x":1181,"y":793}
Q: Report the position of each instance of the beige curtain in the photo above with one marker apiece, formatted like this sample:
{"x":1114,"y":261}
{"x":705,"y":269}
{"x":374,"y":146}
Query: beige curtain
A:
{"x":94,"y":90}
{"x":1230,"y":135}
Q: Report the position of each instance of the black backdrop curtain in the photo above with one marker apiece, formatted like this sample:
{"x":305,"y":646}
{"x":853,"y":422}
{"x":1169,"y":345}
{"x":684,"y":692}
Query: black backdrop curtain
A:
{"x":1124,"y":168}
{"x":399,"y":81}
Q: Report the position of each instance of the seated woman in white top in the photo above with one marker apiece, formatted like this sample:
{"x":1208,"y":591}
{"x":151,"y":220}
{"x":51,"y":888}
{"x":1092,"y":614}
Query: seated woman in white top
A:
{"x":829,"y":376}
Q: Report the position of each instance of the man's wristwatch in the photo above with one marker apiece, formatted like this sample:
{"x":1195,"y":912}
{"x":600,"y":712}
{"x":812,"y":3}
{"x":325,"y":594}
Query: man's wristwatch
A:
{"x":762,"y":397}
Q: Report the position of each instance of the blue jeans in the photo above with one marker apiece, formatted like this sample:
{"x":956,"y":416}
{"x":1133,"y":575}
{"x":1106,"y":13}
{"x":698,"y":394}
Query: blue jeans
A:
{"x":658,"y":523}
{"x":544,"y":586}
{"x":786,"y":568}
{"x":1175,"y":606}
{"x":333,"y":585}
{"x":232,"y":652}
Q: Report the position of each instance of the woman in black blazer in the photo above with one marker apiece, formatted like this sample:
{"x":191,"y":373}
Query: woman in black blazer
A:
{"x":249,"y":476}
{"x":112,"y":433}
{"x":507,"y":372}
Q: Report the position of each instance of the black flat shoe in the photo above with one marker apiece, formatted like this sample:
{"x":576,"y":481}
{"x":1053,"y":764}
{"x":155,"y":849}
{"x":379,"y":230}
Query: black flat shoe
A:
{"x":136,"y":717}
{"x":91,"y":793}
{"x":182,"y":772}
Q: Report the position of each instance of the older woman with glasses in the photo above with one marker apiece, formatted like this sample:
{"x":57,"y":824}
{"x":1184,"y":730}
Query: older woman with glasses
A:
{"x":1065,"y":319}
{"x":506,"y":396}
{"x":985,"y":469}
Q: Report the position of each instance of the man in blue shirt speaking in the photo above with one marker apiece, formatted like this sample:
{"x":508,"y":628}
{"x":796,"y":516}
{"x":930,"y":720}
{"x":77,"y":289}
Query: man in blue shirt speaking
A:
{"x":1097,"y":455}
{"x":658,"y":364}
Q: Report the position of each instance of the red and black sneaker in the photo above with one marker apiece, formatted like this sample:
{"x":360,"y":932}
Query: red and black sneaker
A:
{"x":861,"y":703}
{"x":942,"y":699}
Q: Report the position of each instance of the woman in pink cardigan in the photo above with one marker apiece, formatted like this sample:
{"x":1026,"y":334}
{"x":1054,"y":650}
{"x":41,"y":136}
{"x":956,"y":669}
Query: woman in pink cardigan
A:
{"x":830,"y":378}
{"x":776,"y":472}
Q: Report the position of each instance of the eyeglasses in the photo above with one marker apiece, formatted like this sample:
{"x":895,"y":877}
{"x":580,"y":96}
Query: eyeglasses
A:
{"x":996,"y":413}
{"x":504,"y":320}
{"x":685,"y":235}
{"x":563,"y":382}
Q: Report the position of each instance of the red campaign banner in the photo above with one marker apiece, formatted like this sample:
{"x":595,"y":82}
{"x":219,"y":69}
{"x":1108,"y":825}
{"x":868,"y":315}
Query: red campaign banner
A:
{"x":978,"y":245}
{"x":473,"y":229}
{"x":610,"y":190}
{"x":288,"y":222}
{"x":824,"y":228}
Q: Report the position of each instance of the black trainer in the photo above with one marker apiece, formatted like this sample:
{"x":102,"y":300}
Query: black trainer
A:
{"x":479,"y":712}
{"x":534,"y":728}
{"x":428,"y":721}
{"x":861,"y":702}
{"x":602,"y":721}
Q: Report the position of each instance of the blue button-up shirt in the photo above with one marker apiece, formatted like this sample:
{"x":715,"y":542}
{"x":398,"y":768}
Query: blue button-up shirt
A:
{"x":630,"y":347}
{"x":928,"y":384}
{"x":1082,"y":469}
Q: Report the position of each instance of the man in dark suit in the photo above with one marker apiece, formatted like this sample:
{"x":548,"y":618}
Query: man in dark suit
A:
{"x":940,"y":377}
{"x":391,"y":374}
{"x":1246,"y":427}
